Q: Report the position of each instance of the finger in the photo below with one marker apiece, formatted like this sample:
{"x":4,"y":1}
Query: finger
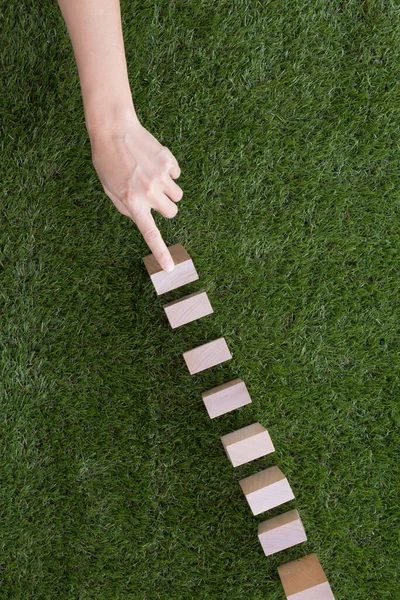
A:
{"x":173,"y":168}
{"x":153,"y":239}
{"x":172,"y":190}
{"x":165,"y":206}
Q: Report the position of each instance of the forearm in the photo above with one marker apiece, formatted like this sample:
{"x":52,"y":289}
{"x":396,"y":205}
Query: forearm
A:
{"x":136,"y":171}
{"x":96,"y":34}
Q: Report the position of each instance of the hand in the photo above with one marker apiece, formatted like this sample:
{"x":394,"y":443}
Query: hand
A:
{"x":137,"y":174}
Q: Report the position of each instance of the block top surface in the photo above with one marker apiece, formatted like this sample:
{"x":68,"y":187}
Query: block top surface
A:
{"x":278,"y":521}
{"x":225,"y":387}
{"x":301,"y":574}
{"x":178,"y":253}
{"x":181,"y":301}
{"x":219,"y":346}
{"x":242,"y":434}
{"x":261,"y":479}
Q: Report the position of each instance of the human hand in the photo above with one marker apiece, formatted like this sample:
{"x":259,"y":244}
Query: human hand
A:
{"x":137,"y":174}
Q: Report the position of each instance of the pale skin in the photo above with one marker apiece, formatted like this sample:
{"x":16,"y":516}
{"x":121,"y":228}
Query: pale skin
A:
{"x":136,"y":171}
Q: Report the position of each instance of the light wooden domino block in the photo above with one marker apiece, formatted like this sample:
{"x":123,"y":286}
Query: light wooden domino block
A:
{"x":188,"y":309}
{"x":183,"y":273}
{"x":247,"y":444}
{"x":304,"y":579}
{"x":266,"y":489}
{"x":226,"y":397}
{"x":281,"y":532}
{"x":206,"y":356}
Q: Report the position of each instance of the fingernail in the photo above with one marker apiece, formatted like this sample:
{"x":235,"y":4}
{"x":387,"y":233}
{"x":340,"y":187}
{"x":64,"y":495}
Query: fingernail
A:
{"x":169,"y":266}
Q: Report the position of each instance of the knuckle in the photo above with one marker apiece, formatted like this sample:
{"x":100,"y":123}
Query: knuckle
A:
{"x":150,"y":235}
{"x":143,"y":182}
{"x":123,"y":192}
{"x":148,"y":186}
{"x":149,"y":189}
{"x":134,"y":208}
{"x":165,"y":152}
{"x":165,"y":157}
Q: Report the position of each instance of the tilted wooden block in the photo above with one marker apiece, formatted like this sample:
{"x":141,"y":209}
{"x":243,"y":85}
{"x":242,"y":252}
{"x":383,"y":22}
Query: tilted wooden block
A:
{"x":226,"y":397}
{"x":183,"y":273}
{"x":266,"y":489}
{"x":281,"y":532}
{"x":247,"y":444}
{"x":304,"y":579}
{"x":206,"y":356}
{"x":188,"y":309}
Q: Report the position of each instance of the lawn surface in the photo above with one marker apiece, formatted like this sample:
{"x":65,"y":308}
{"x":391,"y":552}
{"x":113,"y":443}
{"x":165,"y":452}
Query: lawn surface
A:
{"x":113,"y":481}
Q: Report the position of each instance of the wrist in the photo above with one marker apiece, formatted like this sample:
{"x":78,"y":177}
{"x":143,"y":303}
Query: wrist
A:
{"x":102,"y":116}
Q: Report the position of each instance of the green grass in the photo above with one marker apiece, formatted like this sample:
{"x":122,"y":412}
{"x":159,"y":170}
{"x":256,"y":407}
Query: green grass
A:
{"x":285,"y":120}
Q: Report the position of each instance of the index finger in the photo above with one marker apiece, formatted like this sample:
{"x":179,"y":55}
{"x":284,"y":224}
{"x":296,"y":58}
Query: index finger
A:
{"x":152,"y":236}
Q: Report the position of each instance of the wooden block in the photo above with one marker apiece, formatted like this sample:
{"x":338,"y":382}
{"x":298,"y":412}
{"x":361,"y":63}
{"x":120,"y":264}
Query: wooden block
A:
{"x":281,"y":532}
{"x":266,"y":489}
{"x":226,"y":397}
{"x":183,"y":273}
{"x":304,"y":579}
{"x":206,"y":356}
{"x":247,"y":444}
{"x":188,"y":309}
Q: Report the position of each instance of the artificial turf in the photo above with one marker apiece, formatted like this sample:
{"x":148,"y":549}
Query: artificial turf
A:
{"x":284,"y":117}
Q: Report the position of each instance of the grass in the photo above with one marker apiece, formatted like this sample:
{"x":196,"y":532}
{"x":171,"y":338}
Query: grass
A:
{"x":285,"y":120}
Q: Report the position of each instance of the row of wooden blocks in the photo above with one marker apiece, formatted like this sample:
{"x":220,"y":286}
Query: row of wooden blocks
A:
{"x":303,"y":579}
